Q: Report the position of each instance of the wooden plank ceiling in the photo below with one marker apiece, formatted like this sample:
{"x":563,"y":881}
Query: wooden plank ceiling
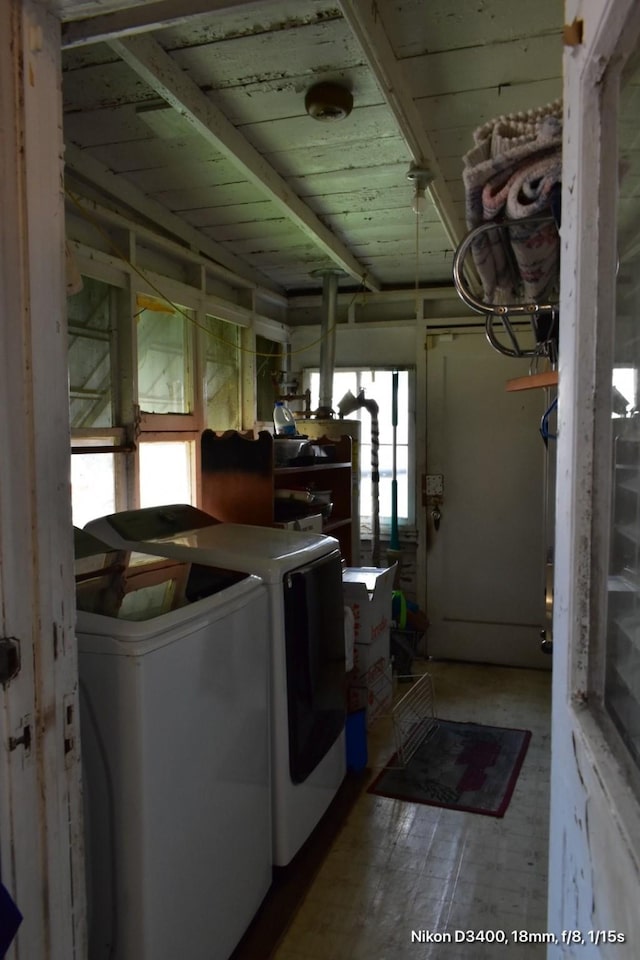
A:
{"x":202,"y":115}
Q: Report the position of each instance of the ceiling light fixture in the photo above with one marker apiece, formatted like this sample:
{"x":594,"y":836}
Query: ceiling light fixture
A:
{"x":421,"y":177}
{"x":328,"y":101}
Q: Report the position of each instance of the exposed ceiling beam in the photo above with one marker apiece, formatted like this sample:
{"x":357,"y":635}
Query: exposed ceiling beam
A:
{"x":364,"y":20}
{"x":147,"y":58}
{"x":91,"y":170}
{"x":78,"y":30}
{"x":385,"y":296}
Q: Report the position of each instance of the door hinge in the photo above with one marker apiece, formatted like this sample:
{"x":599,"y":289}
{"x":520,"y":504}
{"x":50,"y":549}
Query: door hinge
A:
{"x":24,"y":740}
{"x":9,"y":659}
{"x":69,"y":729}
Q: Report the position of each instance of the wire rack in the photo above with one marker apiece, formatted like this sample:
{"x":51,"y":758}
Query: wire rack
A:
{"x":500,"y":332}
{"x":414,"y":718}
{"x":404,"y":645}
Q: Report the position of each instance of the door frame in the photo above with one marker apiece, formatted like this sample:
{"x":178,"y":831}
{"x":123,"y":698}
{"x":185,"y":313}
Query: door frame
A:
{"x":594,"y":853}
{"x":41,"y":834}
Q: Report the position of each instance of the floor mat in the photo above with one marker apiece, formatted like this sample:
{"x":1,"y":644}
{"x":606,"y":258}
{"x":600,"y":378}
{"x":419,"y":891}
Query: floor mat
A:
{"x":460,"y":766}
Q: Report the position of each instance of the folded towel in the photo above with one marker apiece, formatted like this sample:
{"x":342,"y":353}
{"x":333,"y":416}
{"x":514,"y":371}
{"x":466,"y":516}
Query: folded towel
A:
{"x":506,"y":142}
{"x":509,"y":174}
{"x":536,"y":246}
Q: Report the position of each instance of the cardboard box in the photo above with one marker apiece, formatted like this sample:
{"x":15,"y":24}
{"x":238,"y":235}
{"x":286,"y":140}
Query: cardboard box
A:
{"x":372,"y":691}
{"x":368,"y":591}
{"x":366,"y":654}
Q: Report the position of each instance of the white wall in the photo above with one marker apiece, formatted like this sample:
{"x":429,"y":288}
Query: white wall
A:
{"x":358,"y":345}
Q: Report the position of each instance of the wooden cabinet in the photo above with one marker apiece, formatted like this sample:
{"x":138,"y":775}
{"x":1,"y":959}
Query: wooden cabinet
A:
{"x":240,"y":479}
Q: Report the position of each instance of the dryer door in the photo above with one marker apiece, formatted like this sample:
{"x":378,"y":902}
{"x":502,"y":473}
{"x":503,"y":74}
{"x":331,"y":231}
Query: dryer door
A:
{"x":316,"y":678}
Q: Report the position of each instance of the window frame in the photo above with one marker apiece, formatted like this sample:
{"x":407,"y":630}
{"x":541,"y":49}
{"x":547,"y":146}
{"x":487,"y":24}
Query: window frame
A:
{"x":607,"y":427}
{"x":407,"y":529}
{"x":174,"y":420}
{"x":131,"y":424}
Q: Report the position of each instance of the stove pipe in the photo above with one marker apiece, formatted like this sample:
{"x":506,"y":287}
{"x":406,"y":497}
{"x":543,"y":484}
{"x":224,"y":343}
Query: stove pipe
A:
{"x":328,"y":342}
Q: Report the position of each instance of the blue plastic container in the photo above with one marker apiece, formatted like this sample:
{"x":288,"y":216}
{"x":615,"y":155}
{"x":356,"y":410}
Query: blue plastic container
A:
{"x":356,"y":740}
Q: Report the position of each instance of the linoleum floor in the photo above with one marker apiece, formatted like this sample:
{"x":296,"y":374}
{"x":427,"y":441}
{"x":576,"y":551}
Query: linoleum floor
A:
{"x":401,"y":875}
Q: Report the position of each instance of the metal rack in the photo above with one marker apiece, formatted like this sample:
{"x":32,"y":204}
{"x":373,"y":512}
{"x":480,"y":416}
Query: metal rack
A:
{"x":414,"y":718}
{"x":543,"y":317}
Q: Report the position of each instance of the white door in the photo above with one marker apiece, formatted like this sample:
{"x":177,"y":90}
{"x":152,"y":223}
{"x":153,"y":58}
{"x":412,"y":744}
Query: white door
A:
{"x":41,"y":855}
{"x":486,"y":551}
{"x":594,"y":869}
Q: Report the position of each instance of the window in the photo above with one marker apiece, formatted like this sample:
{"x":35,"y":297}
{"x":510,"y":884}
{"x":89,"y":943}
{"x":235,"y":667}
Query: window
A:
{"x":165,"y":472}
{"x":222,"y":375}
{"x":93,"y":484}
{"x":377,"y":384}
{"x":165,"y":383}
{"x":90,"y":339}
{"x":268,"y":369}
{"x":93,"y":399}
{"x":188,"y":376}
{"x":624,"y":391}
{"x":622,"y":659}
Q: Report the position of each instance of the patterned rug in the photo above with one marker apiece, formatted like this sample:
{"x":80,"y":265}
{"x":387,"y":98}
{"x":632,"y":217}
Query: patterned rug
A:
{"x":460,"y":766}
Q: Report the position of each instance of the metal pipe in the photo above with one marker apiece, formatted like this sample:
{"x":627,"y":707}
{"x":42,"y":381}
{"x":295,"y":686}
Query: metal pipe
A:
{"x":394,"y":544}
{"x":328,"y":342}
{"x":120,"y":448}
{"x":372,"y":407}
{"x":347,"y":405}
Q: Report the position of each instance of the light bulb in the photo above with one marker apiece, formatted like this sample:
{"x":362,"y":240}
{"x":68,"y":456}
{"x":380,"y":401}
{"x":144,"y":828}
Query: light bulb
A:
{"x":421,"y":177}
{"x":419,"y":204}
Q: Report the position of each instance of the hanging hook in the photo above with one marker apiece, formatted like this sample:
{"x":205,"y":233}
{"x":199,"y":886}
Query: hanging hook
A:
{"x":544,"y":422}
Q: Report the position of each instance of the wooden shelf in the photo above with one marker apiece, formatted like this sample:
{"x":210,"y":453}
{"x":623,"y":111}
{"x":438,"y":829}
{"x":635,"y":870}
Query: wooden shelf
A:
{"x":534,"y":381}
{"x":239,"y":481}
{"x":315,"y":467}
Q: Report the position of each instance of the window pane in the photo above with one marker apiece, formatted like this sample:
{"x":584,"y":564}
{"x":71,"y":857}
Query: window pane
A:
{"x":378,"y":386}
{"x":343,"y":381}
{"x":92,"y":485}
{"x":222,"y":375}
{"x":622,"y":671}
{"x":165,"y":473}
{"x":164,"y":358}
{"x":385,"y":486}
{"x":268,"y":368}
{"x":90,"y":390}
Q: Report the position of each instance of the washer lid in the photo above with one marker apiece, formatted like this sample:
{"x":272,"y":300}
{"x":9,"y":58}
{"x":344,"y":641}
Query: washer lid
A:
{"x":266,"y":551}
{"x":130,"y":585}
{"x":149,"y":523}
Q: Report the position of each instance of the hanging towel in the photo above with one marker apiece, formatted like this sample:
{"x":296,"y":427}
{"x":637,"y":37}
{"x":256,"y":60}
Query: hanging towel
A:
{"x":508,"y":174}
{"x":536,"y":247}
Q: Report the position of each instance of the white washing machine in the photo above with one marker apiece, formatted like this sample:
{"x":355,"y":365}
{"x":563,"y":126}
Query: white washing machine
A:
{"x":174,"y":698}
{"x":304,"y":577}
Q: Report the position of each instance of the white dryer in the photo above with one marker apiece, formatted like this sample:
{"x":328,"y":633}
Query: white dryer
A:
{"x":174,"y":688}
{"x":304,"y":578}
